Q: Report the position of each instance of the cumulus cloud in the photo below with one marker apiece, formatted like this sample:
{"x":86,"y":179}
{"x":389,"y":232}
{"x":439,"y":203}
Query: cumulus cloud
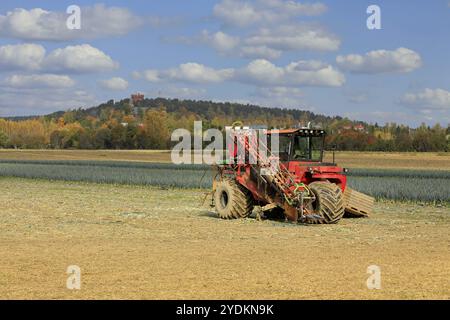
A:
{"x":188,"y":72}
{"x":115,"y":84}
{"x":259,"y":52}
{"x":79,"y":59}
{"x":38,"y":81}
{"x":21,"y":57}
{"x":38,"y":24}
{"x":258,"y":72}
{"x":295,"y":37}
{"x":381,"y":61}
{"x":220,"y":41}
{"x":74,"y":59}
{"x":428,"y":100}
{"x":305,"y":73}
{"x":268,"y":43}
{"x":270,"y":28}
{"x":245,"y":13}
{"x":230,"y":45}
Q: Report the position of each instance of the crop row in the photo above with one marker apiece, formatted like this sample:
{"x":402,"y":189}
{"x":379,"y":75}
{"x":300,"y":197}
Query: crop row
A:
{"x":354,"y":172}
{"x":434,"y":187}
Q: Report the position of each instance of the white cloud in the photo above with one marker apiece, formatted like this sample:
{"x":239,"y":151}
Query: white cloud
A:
{"x":295,"y":8}
{"x":79,"y":59}
{"x":268,"y":43}
{"x":258,"y":72}
{"x":21,"y":57}
{"x":71,"y":59}
{"x":259,"y":52}
{"x":245,"y":13}
{"x":115,"y":83}
{"x":96,"y":21}
{"x":188,"y":72}
{"x":195,"y":72}
{"x":294,"y":37}
{"x":38,"y":81}
{"x":151,"y":75}
{"x":428,"y":100}
{"x":304,"y":73}
{"x":236,"y":13}
{"x":380,"y":61}
{"x":220,"y":41}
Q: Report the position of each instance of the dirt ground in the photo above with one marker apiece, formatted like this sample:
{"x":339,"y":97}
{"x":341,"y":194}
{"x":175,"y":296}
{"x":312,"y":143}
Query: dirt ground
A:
{"x":349,"y":159}
{"x":150,"y":243}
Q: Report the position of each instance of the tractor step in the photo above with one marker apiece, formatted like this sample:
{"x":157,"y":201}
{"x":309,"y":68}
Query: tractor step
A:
{"x":357,"y":204}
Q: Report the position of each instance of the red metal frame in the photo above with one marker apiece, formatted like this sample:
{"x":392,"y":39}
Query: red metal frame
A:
{"x":302,"y":171}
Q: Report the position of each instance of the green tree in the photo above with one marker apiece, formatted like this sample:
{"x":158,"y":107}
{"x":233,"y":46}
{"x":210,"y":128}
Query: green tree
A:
{"x":4,"y":140}
{"x":102,"y":138}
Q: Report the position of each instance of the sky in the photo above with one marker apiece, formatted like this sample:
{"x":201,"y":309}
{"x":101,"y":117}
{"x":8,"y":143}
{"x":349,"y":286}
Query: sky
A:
{"x":318,"y":56}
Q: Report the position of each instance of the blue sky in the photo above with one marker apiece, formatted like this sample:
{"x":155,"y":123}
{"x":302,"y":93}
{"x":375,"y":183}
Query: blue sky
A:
{"x":318,"y":56}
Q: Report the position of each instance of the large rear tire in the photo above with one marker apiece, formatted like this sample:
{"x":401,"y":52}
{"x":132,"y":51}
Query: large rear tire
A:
{"x":329,"y":204}
{"x":231,"y":200}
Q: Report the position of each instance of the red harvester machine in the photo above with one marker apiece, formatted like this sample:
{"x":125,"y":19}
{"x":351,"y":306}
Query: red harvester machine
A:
{"x":300,"y":185}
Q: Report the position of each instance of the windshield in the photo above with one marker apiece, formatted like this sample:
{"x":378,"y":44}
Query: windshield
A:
{"x":285,"y":143}
{"x":307,"y":148}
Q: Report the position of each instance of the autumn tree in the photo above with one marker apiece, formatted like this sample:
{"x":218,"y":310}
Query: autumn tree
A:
{"x":156,"y":131}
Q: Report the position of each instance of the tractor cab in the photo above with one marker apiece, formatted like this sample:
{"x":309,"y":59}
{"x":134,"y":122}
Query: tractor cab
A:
{"x":301,"y":151}
{"x":300,"y":145}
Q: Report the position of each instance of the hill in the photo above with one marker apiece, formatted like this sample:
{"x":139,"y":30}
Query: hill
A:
{"x":206,"y":110}
{"x":140,"y":123}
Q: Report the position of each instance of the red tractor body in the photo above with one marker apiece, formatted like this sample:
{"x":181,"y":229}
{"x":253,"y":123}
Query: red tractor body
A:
{"x":300,"y":183}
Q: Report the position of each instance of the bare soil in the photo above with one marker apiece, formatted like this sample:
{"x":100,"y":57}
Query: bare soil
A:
{"x":149,"y":243}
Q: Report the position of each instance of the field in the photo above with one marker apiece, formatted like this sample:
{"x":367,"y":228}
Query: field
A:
{"x":149,"y":243}
{"x":138,"y":227}
{"x":380,"y":160}
{"x":399,"y":184}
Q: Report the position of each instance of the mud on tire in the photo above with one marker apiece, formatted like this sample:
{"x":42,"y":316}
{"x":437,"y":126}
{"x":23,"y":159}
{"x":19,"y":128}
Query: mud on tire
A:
{"x":329,"y":204}
{"x":231,"y":200}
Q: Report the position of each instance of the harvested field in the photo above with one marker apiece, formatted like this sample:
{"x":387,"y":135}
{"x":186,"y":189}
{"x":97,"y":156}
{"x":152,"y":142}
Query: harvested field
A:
{"x":381,"y":160}
{"x":150,"y":243}
{"x":393,"y":160}
{"x":110,"y":155}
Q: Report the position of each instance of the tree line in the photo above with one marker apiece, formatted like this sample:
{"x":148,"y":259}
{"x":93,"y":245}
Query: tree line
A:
{"x":148,"y":125}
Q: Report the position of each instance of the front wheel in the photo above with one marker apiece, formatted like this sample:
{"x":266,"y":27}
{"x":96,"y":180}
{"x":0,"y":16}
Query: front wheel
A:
{"x":231,"y":200}
{"x":329,"y":204}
